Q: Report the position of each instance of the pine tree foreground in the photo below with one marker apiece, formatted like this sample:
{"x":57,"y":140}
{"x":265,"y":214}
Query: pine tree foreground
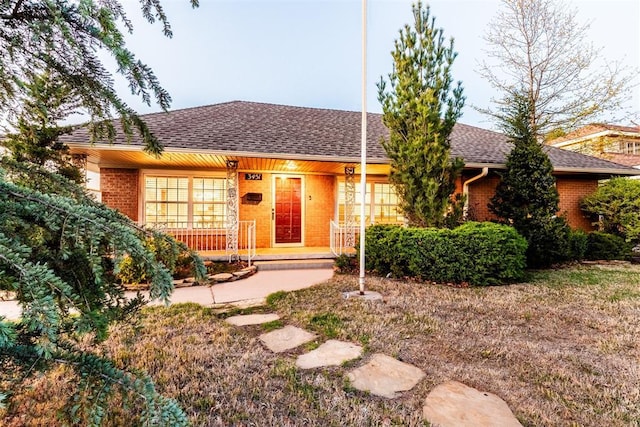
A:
{"x":420,"y":111}
{"x":59,"y":248}
{"x":58,"y":252}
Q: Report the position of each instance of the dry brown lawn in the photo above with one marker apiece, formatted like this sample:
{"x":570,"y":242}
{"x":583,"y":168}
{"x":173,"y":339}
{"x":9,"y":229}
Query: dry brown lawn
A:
{"x":561,"y":350}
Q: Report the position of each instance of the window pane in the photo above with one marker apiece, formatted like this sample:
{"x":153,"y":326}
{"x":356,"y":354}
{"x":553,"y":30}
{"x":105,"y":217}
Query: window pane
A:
{"x":166,"y":200}
{"x":210,"y":202}
{"x":386,"y":204}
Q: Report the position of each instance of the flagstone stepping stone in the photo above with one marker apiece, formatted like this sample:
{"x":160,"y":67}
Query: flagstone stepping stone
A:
{"x":222,"y":277}
{"x":241,"y":273}
{"x":252,"y":319}
{"x":331,"y":353}
{"x":455,"y":404}
{"x":385,"y":376}
{"x":286,"y":338}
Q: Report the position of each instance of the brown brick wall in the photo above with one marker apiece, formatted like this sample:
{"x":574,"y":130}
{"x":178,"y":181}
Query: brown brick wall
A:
{"x":261,"y":212}
{"x":119,"y":188}
{"x":319,"y":205}
{"x":572,"y":191}
{"x":319,"y":209}
{"x":480,"y":192}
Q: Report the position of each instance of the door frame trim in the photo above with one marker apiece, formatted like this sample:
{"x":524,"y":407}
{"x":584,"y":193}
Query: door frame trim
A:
{"x":302,"y":211}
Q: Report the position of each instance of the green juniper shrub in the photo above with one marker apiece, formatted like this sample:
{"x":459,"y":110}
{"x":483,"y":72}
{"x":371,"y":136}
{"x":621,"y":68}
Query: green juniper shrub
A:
{"x":548,"y":241}
{"x":346,"y":263}
{"x":577,"y":245}
{"x":617,"y":205}
{"x":606,"y":246}
{"x":475,"y":253}
{"x":174,"y":255}
{"x":526,"y":196}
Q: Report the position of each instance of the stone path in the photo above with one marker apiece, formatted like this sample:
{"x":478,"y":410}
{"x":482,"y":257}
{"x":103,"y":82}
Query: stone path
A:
{"x":455,"y":404}
{"x":331,"y":353}
{"x":252,"y":319}
{"x":385,"y":376}
{"x":286,"y":338}
{"x":450,"y":404}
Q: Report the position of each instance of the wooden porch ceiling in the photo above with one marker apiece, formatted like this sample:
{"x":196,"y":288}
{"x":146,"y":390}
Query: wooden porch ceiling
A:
{"x":135,"y":158}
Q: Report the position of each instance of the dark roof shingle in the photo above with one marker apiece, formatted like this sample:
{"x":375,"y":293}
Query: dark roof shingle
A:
{"x":250,"y":127}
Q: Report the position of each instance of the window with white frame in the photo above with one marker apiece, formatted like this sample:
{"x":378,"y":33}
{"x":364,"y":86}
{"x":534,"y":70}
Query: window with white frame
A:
{"x":185,"y":201}
{"x":385,"y":207}
{"x":381,"y":204}
{"x":630,"y":147}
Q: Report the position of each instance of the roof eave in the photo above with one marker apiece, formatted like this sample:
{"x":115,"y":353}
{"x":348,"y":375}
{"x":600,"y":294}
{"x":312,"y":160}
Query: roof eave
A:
{"x":228,"y":153}
{"x":339,"y":159}
{"x":598,"y":171}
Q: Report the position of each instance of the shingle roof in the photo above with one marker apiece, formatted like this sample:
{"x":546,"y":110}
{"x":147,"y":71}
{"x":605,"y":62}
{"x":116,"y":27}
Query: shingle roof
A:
{"x":243,"y":127}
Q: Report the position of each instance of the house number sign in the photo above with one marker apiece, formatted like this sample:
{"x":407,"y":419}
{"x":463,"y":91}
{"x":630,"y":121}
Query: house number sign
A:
{"x":253,"y":177}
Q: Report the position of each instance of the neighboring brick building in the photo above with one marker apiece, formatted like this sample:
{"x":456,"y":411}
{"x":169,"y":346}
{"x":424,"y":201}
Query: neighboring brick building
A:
{"x":291,"y":169}
{"x":619,"y":144}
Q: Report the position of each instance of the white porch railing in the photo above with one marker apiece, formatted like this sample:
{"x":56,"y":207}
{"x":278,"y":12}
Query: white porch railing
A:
{"x":212,"y":237}
{"x":338,"y":237}
{"x":250,"y":247}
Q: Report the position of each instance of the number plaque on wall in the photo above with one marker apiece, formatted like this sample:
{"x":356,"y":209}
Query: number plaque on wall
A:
{"x":253,"y":177}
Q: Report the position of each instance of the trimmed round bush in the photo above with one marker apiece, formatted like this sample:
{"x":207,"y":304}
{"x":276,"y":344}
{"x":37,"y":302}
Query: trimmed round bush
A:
{"x":476,"y":253}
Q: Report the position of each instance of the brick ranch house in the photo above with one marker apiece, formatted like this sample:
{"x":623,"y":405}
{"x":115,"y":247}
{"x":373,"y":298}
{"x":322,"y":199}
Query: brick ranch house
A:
{"x":243,"y":175}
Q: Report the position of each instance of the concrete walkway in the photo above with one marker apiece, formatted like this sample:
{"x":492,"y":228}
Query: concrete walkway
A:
{"x":255,"y":287}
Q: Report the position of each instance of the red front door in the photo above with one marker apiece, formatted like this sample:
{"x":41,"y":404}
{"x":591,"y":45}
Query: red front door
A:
{"x":288,"y":210}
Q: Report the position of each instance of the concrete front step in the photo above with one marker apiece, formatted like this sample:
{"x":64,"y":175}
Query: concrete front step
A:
{"x":290,"y":256}
{"x":294,"y":264}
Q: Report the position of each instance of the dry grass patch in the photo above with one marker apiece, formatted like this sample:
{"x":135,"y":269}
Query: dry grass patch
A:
{"x":561,"y":349}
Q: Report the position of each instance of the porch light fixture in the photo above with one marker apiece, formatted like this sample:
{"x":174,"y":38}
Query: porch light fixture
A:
{"x":232,"y":164}
{"x":290,"y":165}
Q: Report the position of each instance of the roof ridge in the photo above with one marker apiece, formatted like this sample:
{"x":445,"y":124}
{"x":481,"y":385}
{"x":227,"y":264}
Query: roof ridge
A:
{"x":271,"y":104}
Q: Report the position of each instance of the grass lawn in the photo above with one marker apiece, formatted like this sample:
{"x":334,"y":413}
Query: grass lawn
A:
{"x":562,"y":349}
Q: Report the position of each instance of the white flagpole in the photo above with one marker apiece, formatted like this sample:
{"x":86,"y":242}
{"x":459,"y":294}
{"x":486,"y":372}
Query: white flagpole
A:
{"x":363,"y":145}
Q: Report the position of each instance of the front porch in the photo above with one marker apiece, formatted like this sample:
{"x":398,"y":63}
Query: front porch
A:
{"x":219,"y":242}
{"x":275,"y":254}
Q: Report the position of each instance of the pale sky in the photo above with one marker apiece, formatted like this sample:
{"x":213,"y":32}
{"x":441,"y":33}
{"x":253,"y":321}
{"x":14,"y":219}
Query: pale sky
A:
{"x":307,"y":52}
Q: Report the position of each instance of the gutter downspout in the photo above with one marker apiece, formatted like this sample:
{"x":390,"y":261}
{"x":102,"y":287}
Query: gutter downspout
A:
{"x":465,"y":190}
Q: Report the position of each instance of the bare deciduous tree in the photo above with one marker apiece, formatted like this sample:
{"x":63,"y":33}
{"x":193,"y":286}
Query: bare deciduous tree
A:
{"x":538,"y":49}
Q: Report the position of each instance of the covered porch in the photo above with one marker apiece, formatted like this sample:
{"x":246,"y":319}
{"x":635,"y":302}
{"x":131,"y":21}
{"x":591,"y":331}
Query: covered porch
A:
{"x":232,"y":206}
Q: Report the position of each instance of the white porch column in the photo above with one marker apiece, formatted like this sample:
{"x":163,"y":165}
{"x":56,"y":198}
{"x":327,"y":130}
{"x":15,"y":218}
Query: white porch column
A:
{"x":232,"y":209}
{"x":349,"y":207}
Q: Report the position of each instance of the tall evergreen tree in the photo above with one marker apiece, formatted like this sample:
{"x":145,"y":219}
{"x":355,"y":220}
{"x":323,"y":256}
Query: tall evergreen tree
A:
{"x":526,"y":196}
{"x":420,"y":110}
